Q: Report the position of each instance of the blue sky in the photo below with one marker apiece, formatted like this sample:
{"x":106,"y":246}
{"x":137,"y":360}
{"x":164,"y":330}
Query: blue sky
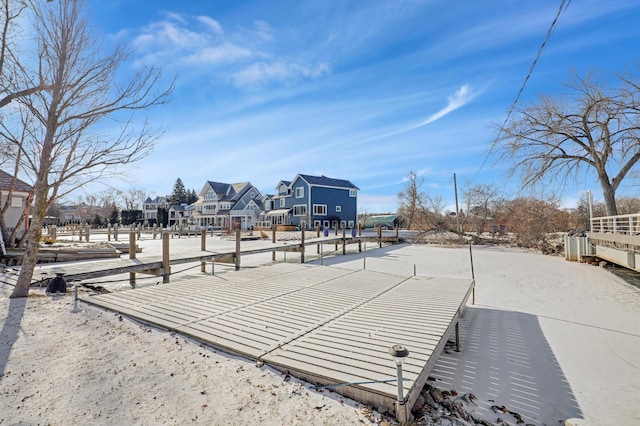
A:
{"x":358,"y":90}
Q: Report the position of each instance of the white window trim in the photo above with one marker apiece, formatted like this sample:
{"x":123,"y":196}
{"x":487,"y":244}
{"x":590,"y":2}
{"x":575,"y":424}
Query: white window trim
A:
{"x":318,"y":209}
{"x":300,"y":192}
{"x":352,"y":193}
{"x":300,"y":207}
{"x":281,"y":202}
{"x":338,"y":209}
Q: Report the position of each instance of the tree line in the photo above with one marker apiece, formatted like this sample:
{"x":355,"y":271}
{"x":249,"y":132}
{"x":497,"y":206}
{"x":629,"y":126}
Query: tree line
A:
{"x":484,"y":209}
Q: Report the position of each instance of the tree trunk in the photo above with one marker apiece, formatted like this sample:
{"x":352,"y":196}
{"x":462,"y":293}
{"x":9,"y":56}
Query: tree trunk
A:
{"x":34,"y":234}
{"x":609,"y":198}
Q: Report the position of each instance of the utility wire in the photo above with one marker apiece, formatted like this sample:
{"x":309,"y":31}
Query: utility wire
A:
{"x":563,"y":6}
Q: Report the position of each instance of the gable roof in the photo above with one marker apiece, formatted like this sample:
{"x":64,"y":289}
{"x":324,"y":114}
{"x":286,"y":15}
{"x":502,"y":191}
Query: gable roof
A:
{"x":20,"y":186}
{"x":327,"y":181}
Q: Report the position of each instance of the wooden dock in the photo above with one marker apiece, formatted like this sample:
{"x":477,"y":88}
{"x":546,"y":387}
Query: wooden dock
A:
{"x":160,"y":264}
{"x":326,"y":325}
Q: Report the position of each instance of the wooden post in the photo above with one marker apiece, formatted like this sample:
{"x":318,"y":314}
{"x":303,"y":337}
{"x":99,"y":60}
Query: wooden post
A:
{"x":397,"y":232}
{"x":203,"y":247}
{"x":302,"y":247}
{"x":344,"y":240}
{"x":87,"y":233}
{"x":109,"y":232}
{"x":318,"y":236}
{"x":273,"y":240}
{"x":335,"y":225}
{"x":237,"y":249}
{"x":380,"y":235}
{"x":132,"y":255}
{"x":166,"y":261}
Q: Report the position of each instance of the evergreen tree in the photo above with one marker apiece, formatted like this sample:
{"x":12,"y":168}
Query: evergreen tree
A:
{"x":179,"y":194}
{"x":115,"y":214}
{"x":193,"y":197}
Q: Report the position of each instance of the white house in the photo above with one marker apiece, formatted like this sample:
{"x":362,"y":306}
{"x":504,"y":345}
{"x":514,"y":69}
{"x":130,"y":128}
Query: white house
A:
{"x":224,"y":205}
{"x":150,"y":208}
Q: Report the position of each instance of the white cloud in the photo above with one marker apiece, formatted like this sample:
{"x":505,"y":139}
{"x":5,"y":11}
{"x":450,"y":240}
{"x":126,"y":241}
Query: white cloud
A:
{"x":225,"y":52}
{"x":211,"y":24}
{"x":460,"y":98}
{"x":261,"y":73}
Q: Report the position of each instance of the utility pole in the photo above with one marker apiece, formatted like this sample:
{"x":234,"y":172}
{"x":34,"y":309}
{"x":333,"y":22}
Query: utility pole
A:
{"x":455,"y":188}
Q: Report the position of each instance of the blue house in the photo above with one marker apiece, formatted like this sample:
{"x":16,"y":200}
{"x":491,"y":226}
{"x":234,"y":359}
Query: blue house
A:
{"x":314,"y":201}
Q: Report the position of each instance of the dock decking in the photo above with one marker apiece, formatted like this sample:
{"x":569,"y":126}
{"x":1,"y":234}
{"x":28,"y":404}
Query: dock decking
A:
{"x":322,"y":324}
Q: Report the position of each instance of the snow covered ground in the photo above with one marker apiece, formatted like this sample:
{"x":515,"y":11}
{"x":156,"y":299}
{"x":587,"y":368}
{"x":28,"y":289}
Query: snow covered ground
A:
{"x":547,"y":339}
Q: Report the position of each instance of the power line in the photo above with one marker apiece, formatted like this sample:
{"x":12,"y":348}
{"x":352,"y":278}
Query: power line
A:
{"x":563,"y":6}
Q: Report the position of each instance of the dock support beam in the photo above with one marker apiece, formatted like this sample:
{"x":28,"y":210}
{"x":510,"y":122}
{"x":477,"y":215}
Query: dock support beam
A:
{"x":166,"y":263}
{"x":302,"y":247}
{"x":273,"y":240}
{"x":132,"y":255}
{"x":203,"y":247}
{"x":238,"y":250}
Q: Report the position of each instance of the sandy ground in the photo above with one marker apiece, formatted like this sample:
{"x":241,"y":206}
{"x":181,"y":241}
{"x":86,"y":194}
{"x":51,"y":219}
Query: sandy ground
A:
{"x":547,"y":338}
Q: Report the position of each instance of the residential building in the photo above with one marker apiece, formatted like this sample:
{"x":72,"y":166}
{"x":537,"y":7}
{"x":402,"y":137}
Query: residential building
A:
{"x":314,"y":201}
{"x":223,"y":205}
{"x":81,"y":213}
{"x":151,"y":206}
{"x":17,"y":201}
{"x":181,"y":215}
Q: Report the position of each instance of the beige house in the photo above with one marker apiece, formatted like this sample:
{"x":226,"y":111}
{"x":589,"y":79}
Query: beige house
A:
{"x":13,"y":200}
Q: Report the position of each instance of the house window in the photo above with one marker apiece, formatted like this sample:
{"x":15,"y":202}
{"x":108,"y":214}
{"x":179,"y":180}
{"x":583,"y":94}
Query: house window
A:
{"x":210,"y":195}
{"x":338,"y":209}
{"x":320,"y":209}
{"x":350,"y":224}
{"x":300,"y":192}
{"x":281,"y":202}
{"x":267,"y":205}
{"x":16,"y":202}
{"x":300,"y":210}
{"x":352,"y":193}
{"x":325,"y":224}
{"x":316,"y":224}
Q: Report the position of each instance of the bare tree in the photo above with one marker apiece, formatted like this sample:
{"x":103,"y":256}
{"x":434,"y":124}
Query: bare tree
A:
{"x":479,"y":199}
{"x":62,"y":151}
{"x":411,"y":200}
{"x":432,"y":213}
{"x":133,"y":199}
{"x":595,"y":130}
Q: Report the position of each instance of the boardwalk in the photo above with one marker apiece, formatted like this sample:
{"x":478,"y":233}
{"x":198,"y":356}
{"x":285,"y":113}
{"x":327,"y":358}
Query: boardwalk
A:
{"x":323,"y":324}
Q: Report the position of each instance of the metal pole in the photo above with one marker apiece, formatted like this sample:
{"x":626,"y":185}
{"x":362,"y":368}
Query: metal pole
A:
{"x":473,"y":276}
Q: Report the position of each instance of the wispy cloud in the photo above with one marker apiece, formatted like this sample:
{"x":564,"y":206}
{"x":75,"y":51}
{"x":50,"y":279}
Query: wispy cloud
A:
{"x":261,"y":72}
{"x":248,"y":57}
{"x":460,"y":98}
